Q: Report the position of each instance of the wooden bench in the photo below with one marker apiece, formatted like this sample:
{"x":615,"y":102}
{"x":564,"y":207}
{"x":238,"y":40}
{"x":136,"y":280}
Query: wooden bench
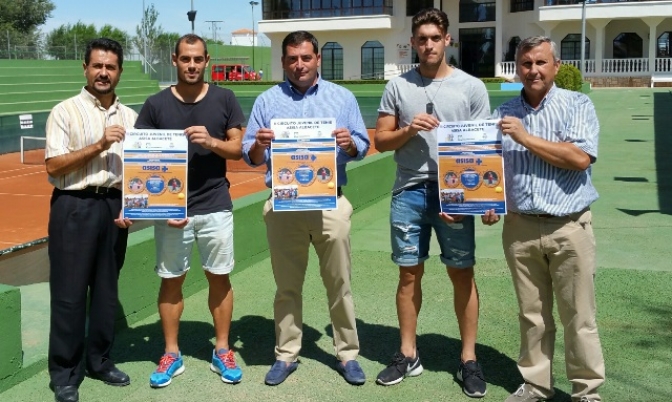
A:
{"x":660,"y":77}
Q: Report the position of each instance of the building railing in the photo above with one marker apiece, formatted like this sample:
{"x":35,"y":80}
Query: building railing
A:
{"x":570,"y":2}
{"x":327,"y":12}
{"x":404,"y":68}
{"x":609,"y":68}
{"x":635,"y":67}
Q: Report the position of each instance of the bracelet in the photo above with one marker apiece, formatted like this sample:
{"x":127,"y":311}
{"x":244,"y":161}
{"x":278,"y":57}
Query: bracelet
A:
{"x":350,"y":147}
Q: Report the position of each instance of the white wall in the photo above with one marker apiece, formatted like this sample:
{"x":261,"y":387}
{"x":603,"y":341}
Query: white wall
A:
{"x":395,"y":32}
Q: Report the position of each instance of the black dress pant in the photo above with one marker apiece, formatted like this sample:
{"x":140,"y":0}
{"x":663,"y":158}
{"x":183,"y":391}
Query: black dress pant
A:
{"x":86,"y":253}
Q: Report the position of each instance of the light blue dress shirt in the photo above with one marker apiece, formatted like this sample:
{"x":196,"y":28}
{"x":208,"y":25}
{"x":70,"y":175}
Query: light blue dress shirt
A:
{"x":534,"y":186}
{"x":324,"y":99}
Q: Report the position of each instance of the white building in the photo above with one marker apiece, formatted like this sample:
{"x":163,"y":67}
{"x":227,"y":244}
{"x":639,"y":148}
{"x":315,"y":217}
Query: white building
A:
{"x":627,"y":41}
{"x":244,"y":37}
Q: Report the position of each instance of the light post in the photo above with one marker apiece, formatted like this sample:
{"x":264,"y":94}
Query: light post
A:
{"x":253,"y":3}
{"x":191,"y":15}
{"x":583,"y":39}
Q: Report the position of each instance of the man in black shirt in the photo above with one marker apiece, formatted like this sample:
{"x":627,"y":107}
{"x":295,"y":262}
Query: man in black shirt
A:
{"x":211,"y":118}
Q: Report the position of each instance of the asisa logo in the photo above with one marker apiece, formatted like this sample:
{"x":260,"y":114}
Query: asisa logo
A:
{"x":151,"y":168}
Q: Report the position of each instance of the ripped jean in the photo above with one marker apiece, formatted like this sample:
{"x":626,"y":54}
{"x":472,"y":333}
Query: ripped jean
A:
{"x":414,"y":212}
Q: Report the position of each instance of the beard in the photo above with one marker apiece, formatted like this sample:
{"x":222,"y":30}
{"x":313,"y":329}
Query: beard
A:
{"x":190,"y":81}
{"x":105,"y":91}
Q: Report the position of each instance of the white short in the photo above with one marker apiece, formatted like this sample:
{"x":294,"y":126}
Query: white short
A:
{"x":212,"y":232}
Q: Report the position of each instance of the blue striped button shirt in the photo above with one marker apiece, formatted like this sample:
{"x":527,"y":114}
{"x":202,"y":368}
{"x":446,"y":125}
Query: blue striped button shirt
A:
{"x":324,"y":99}
{"x":533,"y":185}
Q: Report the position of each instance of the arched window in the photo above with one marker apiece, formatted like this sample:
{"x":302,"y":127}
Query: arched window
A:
{"x":663,"y":46}
{"x":332,"y":61}
{"x":570,"y":47}
{"x":511,"y":52}
{"x":373,"y":61}
{"x":628,"y":45}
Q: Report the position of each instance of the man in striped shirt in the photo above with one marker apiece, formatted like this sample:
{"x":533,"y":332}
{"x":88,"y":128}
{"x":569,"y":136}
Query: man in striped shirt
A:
{"x":550,"y":143}
{"x":86,"y":248}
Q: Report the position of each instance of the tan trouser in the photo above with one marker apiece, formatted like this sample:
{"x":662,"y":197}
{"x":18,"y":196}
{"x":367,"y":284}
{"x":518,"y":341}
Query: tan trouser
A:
{"x":289,"y":237}
{"x":547,"y":257}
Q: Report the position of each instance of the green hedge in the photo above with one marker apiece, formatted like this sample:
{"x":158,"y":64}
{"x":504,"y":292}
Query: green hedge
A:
{"x":569,"y":77}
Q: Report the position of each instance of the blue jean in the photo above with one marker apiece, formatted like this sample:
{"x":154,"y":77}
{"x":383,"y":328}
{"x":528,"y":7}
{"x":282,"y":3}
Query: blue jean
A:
{"x":414,"y":212}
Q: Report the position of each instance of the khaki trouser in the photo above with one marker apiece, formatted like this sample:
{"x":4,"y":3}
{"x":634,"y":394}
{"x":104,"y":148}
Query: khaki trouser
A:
{"x":555,"y":257}
{"x":289,"y":237}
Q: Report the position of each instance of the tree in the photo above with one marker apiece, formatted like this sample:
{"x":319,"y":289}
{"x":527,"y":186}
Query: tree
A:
{"x":19,"y":21}
{"x":69,"y":41}
{"x":165,"y":45}
{"x":147,"y":34}
{"x":24,"y":16}
{"x":108,"y":31}
{"x":159,"y":44}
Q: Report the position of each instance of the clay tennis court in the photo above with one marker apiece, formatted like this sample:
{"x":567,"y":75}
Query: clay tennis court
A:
{"x":25,"y":194}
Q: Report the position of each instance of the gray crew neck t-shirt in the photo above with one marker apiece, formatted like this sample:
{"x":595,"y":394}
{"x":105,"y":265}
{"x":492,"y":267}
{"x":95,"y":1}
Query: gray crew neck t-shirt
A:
{"x":459,"y":96}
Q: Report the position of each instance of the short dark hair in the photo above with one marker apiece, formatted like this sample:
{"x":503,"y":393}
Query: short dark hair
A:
{"x":430,"y":16}
{"x":298,"y":37}
{"x":107,"y":44}
{"x":190,"y":39}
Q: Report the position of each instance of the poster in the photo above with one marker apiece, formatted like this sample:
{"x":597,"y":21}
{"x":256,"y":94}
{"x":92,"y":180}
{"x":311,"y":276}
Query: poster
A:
{"x":471,"y":168}
{"x":303,"y":161}
{"x":155,"y":174}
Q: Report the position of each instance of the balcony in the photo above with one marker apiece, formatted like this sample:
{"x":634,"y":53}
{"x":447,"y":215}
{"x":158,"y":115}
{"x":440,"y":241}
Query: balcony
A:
{"x":328,"y":12}
{"x":635,"y":67}
{"x":569,"y":2}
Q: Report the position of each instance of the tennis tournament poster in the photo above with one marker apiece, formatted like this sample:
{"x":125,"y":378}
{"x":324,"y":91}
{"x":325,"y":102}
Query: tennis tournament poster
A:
{"x":471,"y":167}
{"x":303,"y":164}
{"x":155,"y":174}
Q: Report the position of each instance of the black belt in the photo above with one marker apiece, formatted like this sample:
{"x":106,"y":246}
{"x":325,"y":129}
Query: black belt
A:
{"x":546,"y":216}
{"x":99,"y":190}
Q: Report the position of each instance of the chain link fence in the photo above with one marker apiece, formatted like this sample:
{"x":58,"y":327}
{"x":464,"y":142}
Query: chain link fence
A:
{"x":155,"y":58}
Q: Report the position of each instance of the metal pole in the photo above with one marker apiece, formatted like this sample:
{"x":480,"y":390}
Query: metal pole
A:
{"x":253,"y":3}
{"x":192,"y":22}
{"x":144,"y":34}
{"x":214,"y":36}
{"x":583,"y":39}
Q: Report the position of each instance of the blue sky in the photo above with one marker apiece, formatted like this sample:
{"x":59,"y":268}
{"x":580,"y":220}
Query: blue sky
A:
{"x":126,"y":15}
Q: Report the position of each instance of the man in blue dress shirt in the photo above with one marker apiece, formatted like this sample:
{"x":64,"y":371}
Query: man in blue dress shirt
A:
{"x":306,"y":95}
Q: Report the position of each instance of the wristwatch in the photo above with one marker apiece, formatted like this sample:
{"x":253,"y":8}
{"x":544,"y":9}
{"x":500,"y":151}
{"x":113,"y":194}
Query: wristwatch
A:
{"x":350,"y":147}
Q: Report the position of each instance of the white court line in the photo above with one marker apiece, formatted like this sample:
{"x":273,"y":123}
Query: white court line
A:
{"x":28,"y":195}
{"x":22,"y":175}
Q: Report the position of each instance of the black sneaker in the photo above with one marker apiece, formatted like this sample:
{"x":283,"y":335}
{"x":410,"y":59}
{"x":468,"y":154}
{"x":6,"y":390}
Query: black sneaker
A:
{"x":471,"y":375}
{"x":400,"y":367}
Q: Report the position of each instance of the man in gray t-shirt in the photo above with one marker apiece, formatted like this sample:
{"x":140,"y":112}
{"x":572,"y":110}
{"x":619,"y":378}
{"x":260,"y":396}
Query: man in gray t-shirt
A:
{"x":410,"y":111}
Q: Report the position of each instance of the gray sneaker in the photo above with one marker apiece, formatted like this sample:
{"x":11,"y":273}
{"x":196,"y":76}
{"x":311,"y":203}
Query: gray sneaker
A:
{"x":524,"y":394}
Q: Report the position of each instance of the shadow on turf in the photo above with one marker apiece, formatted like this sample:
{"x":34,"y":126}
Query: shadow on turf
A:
{"x":440,"y":353}
{"x":145,"y":342}
{"x":252,"y":337}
